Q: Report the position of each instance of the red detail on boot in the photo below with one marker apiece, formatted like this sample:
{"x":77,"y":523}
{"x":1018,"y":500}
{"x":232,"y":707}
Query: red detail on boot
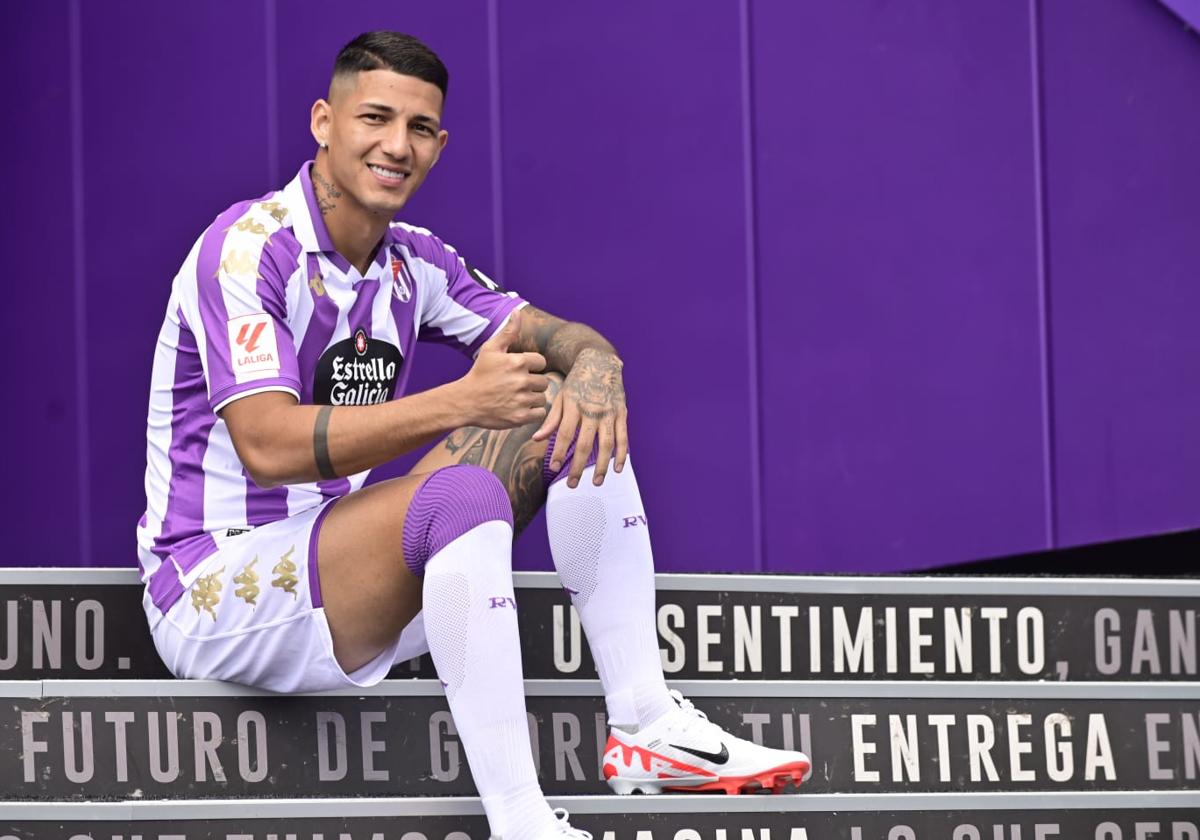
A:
{"x":628,"y":753}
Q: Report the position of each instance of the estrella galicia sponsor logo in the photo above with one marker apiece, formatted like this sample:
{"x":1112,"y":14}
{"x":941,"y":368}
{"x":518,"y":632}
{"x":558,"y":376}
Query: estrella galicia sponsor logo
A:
{"x":483,"y":280}
{"x":357,"y":371}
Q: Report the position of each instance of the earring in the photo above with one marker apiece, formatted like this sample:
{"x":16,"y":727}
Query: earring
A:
{"x":324,"y":145}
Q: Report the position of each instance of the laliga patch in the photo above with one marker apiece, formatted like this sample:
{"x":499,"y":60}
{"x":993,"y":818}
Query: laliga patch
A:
{"x":252,"y":346}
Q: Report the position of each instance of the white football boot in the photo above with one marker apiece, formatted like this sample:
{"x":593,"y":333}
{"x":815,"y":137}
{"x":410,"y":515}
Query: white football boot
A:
{"x":684,"y":751}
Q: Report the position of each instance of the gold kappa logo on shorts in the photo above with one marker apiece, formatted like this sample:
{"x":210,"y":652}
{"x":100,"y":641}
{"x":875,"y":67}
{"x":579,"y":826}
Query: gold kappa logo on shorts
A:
{"x":206,"y":593}
{"x":286,"y":569}
{"x":248,"y":579}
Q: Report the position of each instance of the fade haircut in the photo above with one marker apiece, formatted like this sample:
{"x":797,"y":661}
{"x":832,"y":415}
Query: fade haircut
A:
{"x":395,"y":51}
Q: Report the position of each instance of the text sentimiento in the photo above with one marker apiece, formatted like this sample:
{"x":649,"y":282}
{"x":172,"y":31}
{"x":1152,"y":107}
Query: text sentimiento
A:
{"x":357,"y":371}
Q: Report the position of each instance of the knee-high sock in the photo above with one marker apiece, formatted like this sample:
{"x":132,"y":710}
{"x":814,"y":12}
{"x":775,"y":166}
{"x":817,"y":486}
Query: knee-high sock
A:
{"x":470,"y":617}
{"x":600,"y":542}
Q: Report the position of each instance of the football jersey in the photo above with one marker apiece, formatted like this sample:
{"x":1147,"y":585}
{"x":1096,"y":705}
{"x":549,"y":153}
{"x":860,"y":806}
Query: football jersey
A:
{"x":264,"y":303}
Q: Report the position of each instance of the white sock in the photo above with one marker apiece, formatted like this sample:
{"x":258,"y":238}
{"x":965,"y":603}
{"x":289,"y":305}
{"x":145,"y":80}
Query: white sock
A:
{"x":471,"y":623}
{"x":600,"y":542}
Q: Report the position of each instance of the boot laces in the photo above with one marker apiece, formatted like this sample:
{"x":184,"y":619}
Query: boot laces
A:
{"x":565,"y":829}
{"x":686,"y":704}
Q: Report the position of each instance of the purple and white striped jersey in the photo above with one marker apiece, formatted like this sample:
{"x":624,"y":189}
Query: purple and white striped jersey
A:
{"x":264,"y":303}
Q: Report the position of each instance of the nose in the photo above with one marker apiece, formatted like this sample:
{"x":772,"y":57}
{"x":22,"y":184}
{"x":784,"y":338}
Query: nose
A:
{"x":395,"y":143}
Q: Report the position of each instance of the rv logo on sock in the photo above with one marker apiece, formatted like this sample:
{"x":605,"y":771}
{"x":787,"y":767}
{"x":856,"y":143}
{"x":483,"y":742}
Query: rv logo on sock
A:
{"x":499,"y":603}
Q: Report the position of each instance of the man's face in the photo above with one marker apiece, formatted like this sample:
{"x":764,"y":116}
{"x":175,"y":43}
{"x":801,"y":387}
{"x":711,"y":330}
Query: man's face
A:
{"x":384,"y":133}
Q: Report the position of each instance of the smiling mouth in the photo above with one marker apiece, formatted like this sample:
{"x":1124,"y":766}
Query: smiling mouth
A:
{"x":394,"y":175}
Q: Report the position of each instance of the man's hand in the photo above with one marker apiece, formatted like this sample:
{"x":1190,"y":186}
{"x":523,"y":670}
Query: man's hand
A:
{"x":592,"y":401}
{"x":504,"y":390}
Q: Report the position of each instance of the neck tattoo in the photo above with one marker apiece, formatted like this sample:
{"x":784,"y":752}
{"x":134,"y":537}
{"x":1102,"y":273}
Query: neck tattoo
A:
{"x":324,"y":202}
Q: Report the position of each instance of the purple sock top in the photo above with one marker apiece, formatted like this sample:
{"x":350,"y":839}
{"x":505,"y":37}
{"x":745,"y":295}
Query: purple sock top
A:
{"x":550,"y":476}
{"x":452,"y":501}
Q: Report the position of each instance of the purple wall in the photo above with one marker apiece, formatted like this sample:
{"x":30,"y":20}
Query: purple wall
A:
{"x":899,"y":284}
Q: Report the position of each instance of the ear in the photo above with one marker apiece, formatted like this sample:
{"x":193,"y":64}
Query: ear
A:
{"x":443,"y":139}
{"x":321,"y":121}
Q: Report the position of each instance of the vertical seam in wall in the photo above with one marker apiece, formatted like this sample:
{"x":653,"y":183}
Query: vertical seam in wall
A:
{"x":82,"y":438}
{"x":493,"y":16}
{"x":1049,"y":471}
{"x":272,"y":79}
{"x":752,"y":296}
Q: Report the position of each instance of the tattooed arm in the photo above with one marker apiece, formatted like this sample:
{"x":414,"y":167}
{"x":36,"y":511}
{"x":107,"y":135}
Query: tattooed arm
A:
{"x":592,"y":399}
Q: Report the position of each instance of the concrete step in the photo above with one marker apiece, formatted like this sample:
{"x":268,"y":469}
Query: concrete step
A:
{"x":88,"y":624}
{"x":959,"y":816}
{"x":69,"y":740}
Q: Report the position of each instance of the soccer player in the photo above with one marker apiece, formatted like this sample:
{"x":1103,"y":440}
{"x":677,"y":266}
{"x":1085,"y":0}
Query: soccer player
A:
{"x":279,"y":383}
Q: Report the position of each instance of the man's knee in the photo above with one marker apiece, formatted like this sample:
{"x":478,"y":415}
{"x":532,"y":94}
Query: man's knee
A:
{"x":450,"y":502}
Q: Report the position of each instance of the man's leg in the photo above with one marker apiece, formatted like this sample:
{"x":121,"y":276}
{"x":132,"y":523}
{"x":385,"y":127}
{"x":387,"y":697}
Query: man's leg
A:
{"x":601,"y":550}
{"x":599,"y":540}
{"x":444,"y":538}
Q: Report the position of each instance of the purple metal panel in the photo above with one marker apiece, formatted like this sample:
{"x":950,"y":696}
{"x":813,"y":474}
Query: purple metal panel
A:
{"x":1122,"y":132}
{"x":455,"y":202}
{"x":621,"y":141}
{"x":1188,"y":11}
{"x":174,"y":127}
{"x":899,"y":299}
{"x":39,"y":318}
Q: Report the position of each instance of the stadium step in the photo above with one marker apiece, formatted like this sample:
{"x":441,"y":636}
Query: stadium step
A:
{"x":962,"y":816}
{"x":193,"y":739}
{"x":88,"y":624}
{"x":961,"y":708}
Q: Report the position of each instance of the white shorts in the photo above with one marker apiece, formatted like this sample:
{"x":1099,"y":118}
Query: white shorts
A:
{"x":251,"y":614}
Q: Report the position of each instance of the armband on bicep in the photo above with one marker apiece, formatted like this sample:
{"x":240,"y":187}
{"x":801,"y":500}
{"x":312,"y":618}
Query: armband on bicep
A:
{"x":321,"y":444}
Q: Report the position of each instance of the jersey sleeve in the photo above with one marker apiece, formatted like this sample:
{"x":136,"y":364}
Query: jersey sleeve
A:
{"x":460,"y":305}
{"x":238,"y":306}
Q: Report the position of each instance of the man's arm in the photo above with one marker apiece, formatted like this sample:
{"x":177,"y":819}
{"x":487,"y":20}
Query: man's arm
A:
{"x":281,"y":442}
{"x":592,"y":400}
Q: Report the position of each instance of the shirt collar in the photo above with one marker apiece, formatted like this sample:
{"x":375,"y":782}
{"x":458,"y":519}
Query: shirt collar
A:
{"x":306,"y":213}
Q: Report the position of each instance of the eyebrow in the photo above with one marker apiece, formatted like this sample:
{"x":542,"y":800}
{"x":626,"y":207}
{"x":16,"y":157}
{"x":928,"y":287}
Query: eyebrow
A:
{"x":387,"y":109}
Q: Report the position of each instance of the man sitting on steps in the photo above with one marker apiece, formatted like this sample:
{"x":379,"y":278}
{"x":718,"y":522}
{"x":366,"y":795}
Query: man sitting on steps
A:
{"x":278,"y":384}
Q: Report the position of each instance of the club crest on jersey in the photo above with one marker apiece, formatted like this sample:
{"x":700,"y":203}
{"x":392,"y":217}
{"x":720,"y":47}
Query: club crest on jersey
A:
{"x":360,"y":341}
{"x":252,"y":346}
{"x":402,"y":284}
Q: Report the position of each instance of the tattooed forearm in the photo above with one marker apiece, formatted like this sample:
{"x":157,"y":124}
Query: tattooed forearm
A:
{"x":321,"y":444}
{"x":326,"y":192}
{"x":560,"y":341}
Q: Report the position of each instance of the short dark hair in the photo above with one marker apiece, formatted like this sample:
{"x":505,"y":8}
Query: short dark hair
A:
{"x":395,"y":51}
